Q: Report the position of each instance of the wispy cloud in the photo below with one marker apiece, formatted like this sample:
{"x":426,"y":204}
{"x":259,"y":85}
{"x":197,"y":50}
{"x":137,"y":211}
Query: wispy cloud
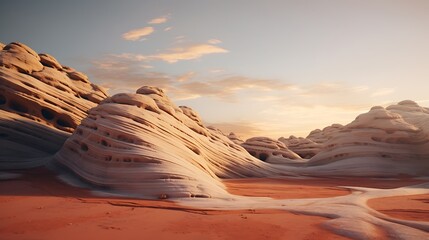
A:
{"x":119,"y":75}
{"x":167,"y":29}
{"x":188,"y":53}
{"x":137,"y":34}
{"x":158,"y":20}
{"x":185,"y":77}
{"x":176,"y":54}
{"x":214,"y":41}
{"x":226,"y":88}
{"x":282,"y":107}
{"x":383,"y":92}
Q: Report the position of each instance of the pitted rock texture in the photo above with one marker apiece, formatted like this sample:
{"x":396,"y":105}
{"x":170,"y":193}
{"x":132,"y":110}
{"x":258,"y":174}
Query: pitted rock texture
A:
{"x":143,"y":145}
{"x":41,"y":103}
{"x":304,"y":147}
{"x":268,"y":150}
{"x":381,"y":142}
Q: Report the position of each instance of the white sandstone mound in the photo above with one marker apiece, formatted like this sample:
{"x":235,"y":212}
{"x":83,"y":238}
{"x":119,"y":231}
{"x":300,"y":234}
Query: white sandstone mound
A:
{"x":304,"y":147}
{"x":142,"y":144}
{"x":381,"y":142}
{"x":269,"y":150}
{"x":322,"y":136}
{"x":41,"y":103}
{"x":311,"y":145}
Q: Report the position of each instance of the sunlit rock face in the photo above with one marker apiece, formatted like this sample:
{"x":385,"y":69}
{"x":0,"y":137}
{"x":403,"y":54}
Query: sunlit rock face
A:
{"x":380,"y":142}
{"x":268,"y":150}
{"x":142,"y":144}
{"x":41,"y":103}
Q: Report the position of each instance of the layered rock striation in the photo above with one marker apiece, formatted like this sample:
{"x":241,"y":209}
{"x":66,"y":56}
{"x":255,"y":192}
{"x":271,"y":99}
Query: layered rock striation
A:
{"x":269,"y":150}
{"x":381,"y":142}
{"x":41,"y":103}
{"x":142,"y":144}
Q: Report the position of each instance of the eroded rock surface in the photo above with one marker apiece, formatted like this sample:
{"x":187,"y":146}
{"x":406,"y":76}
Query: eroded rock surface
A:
{"x":381,"y":142}
{"x":268,"y":150}
{"x":142,"y":144}
{"x":41,"y":103}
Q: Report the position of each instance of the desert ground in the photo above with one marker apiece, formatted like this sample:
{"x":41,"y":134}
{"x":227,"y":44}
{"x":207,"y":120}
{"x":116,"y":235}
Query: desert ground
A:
{"x":37,"y":205}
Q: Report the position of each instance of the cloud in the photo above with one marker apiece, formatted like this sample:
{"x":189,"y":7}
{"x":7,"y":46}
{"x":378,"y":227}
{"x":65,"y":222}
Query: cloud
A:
{"x":226,"y":88}
{"x":137,"y":34}
{"x":176,"y":54}
{"x":250,"y":106}
{"x":214,"y":41}
{"x":185,"y":77}
{"x":188,"y":53}
{"x":167,"y":29}
{"x":328,"y":88}
{"x":383,"y":92}
{"x":158,"y":20}
{"x":120,"y":75}
{"x":217,"y":70}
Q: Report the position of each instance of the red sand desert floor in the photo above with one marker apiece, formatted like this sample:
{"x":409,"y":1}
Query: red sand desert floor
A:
{"x":38,"y":206}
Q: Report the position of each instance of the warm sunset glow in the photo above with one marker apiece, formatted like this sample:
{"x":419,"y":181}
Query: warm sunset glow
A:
{"x":279,"y":67}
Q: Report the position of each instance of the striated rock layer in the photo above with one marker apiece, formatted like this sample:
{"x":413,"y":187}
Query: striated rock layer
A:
{"x":142,"y":144}
{"x":304,"y":147}
{"x":269,"y":150}
{"x":381,"y":142}
{"x":41,"y":103}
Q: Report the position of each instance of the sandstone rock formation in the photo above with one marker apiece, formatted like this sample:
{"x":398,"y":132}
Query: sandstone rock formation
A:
{"x":41,"y":103}
{"x":304,"y":147}
{"x":234,"y":138}
{"x":381,"y":142}
{"x":322,"y":136}
{"x":313,"y":143}
{"x":142,"y":144}
{"x":268,"y":150}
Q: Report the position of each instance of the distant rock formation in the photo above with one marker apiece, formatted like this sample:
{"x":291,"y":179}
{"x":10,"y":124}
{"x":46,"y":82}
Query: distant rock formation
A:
{"x":381,"y":142}
{"x":311,"y":145}
{"x":268,"y":150}
{"x":304,"y":147}
{"x":142,"y":144}
{"x":41,"y":103}
{"x":234,"y":138}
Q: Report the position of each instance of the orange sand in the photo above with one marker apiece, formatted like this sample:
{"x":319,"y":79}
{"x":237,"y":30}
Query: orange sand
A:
{"x":412,"y":207}
{"x":38,"y":206}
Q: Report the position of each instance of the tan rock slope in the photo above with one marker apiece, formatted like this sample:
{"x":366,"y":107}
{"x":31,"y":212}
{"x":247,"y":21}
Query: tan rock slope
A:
{"x":304,"y":147}
{"x":381,"y":142}
{"x":41,"y":103}
{"x":142,"y":144}
{"x":269,"y":150}
{"x":311,"y":145}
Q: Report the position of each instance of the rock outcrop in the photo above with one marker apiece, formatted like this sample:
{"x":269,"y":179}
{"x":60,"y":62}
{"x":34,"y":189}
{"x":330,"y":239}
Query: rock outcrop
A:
{"x":41,"y":103}
{"x":304,"y":147}
{"x":142,"y":144}
{"x":311,"y":145}
{"x":381,"y":142}
{"x":234,"y":138}
{"x":269,"y":150}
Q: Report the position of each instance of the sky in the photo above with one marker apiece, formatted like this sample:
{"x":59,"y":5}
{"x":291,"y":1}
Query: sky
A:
{"x":258,"y":68}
